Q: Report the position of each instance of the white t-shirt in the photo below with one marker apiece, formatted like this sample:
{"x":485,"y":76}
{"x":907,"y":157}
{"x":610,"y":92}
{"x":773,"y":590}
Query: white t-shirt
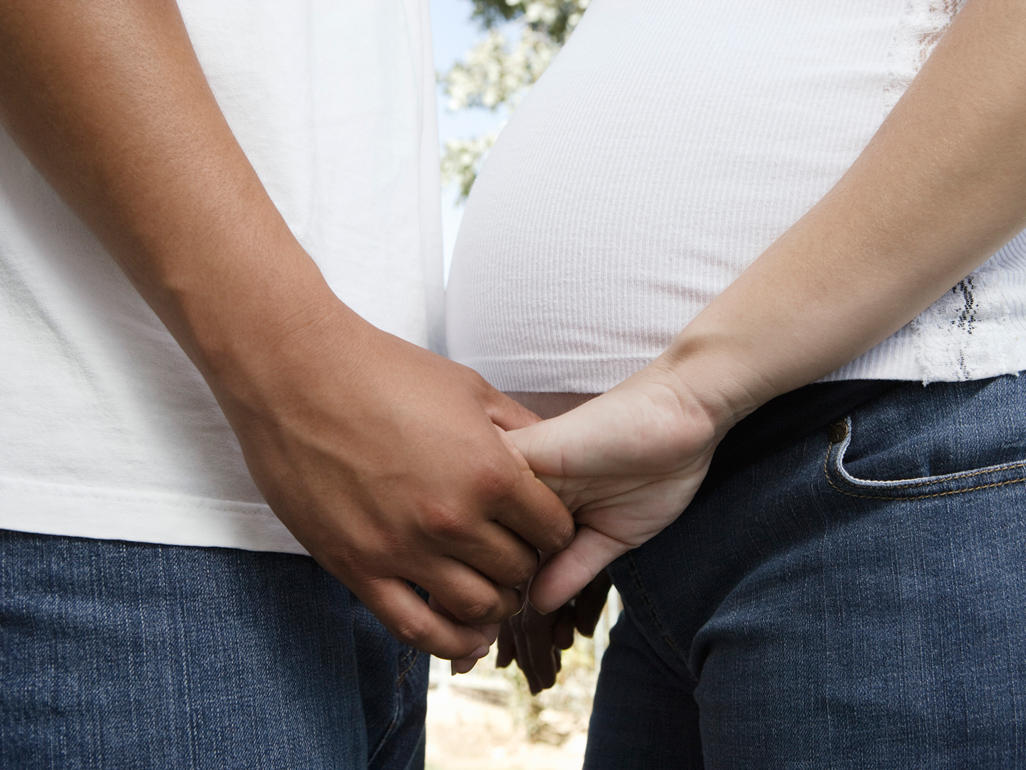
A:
{"x":668,"y":144}
{"x":106,"y":429}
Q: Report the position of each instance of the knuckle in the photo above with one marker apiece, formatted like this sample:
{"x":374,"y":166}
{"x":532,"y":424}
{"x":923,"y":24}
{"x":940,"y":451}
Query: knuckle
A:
{"x":477,"y":383}
{"x":482,"y":611}
{"x":444,"y":521}
{"x":343,"y":561}
{"x":494,"y":481}
{"x":562,"y":534}
{"x":411,"y":632}
{"x":523,"y":570}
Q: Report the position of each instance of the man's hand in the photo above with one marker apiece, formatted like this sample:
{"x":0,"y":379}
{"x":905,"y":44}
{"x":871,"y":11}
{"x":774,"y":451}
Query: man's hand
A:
{"x":390,"y":466}
{"x":627,"y":464}
{"x":535,"y":641}
{"x":384,"y":460}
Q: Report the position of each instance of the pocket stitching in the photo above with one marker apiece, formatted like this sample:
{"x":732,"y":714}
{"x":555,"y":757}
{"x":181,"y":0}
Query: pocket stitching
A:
{"x":911,"y":484}
{"x":411,"y":655}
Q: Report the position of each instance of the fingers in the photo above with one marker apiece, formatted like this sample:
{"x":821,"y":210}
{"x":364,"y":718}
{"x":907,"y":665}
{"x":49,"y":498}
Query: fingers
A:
{"x":490,"y":630}
{"x":542,"y":446}
{"x":506,"y":650}
{"x":507,"y":413}
{"x":498,"y":554}
{"x":538,"y":658}
{"x":464,"y":665}
{"x":413,"y":622}
{"x":537,"y":514}
{"x":466,"y":595}
{"x":569,"y":571}
{"x":589,"y":603}
{"x":510,"y":516}
{"x":528,"y":507}
{"x":563,"y":629}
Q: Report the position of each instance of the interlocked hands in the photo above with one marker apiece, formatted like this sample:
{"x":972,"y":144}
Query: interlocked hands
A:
{"x":626,"y":464}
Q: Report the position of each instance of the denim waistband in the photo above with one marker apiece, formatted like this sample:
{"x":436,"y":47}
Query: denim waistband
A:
{"x":792,"y":416}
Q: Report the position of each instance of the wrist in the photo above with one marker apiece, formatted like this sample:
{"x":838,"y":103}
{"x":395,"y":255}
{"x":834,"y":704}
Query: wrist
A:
{"x":711,"y":372}
{"x":252,"y":338}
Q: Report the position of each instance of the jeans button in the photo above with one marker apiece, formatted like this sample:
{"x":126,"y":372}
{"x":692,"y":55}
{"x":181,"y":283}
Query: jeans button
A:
{"x":838,"y":431}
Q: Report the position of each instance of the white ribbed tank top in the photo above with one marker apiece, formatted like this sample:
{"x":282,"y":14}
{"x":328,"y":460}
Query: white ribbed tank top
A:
{"x":665,"y":148}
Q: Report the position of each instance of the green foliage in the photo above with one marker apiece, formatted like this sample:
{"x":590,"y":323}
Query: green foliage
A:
{"x":520,"y":38}
{"x":492,"y":12}
{"x":556,"y":24}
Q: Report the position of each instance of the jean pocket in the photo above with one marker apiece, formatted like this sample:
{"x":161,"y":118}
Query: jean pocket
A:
{"x":875,"y":476}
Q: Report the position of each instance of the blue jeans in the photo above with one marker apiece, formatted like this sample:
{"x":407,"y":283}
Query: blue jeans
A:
{"x":848,"y":590}
{"x":118,"y":654}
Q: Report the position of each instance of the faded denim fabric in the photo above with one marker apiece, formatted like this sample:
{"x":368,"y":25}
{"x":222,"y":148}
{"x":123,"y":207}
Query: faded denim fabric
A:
{"x":132,"y":655}
{"x":848,"y":590}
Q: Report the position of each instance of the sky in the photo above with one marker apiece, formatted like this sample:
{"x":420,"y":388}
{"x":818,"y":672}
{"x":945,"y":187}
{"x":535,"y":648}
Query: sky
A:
{"x":453,"y":33}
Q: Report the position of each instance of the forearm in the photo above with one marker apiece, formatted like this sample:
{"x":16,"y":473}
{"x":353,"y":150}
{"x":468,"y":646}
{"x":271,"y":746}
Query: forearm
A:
{"x":938,"y":189}
{"x":108,"y":100}
{"x":382,"y":458}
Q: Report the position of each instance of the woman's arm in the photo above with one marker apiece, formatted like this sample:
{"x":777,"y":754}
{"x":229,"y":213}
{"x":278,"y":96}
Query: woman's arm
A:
{"x":941,"y":186}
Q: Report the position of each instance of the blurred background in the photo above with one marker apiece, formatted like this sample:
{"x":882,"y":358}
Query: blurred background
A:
{"x":488,"y":53}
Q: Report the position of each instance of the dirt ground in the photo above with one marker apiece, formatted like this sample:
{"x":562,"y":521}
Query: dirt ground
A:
{"x":487,"y":720}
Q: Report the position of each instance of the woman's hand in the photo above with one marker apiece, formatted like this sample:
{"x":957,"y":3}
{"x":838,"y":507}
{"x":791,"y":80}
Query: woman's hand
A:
{"x":626,"y":464}
{"x":936,"y":192}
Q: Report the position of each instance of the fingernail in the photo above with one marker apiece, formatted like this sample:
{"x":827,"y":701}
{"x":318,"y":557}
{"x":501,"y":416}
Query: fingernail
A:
{"x":462,"y":666}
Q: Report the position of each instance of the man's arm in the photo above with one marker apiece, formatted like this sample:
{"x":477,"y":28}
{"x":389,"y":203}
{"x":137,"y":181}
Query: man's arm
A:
{"x":938,"y":189}
{"x":383,"y":459}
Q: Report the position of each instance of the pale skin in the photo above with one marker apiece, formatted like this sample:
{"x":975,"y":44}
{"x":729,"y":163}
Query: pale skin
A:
{"x":941,"y":186}
{"x":387,"y":462}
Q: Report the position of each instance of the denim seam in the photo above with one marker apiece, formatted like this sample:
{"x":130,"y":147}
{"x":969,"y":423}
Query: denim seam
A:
{"x":650,"y":607}
{"x":952,"y":477}
{"x":412,"y":655}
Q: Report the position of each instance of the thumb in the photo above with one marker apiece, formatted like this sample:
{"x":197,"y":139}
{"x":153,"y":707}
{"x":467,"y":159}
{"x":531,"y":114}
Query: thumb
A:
{"x":590,"y":602}
{"x":570,"y":570}
{"x":544,"y":446}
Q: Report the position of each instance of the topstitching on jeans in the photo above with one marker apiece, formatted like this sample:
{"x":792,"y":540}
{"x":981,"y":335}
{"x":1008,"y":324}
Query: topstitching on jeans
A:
{"x":406,"y":663}
{"x":408,"y":657}
{"x":650,"y":607}
{"x":912,"y":483}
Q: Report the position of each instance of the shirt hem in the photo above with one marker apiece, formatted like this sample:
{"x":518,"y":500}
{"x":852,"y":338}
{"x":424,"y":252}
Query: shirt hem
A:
{"x":102,"y":514}
{"x":891,"y":360}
